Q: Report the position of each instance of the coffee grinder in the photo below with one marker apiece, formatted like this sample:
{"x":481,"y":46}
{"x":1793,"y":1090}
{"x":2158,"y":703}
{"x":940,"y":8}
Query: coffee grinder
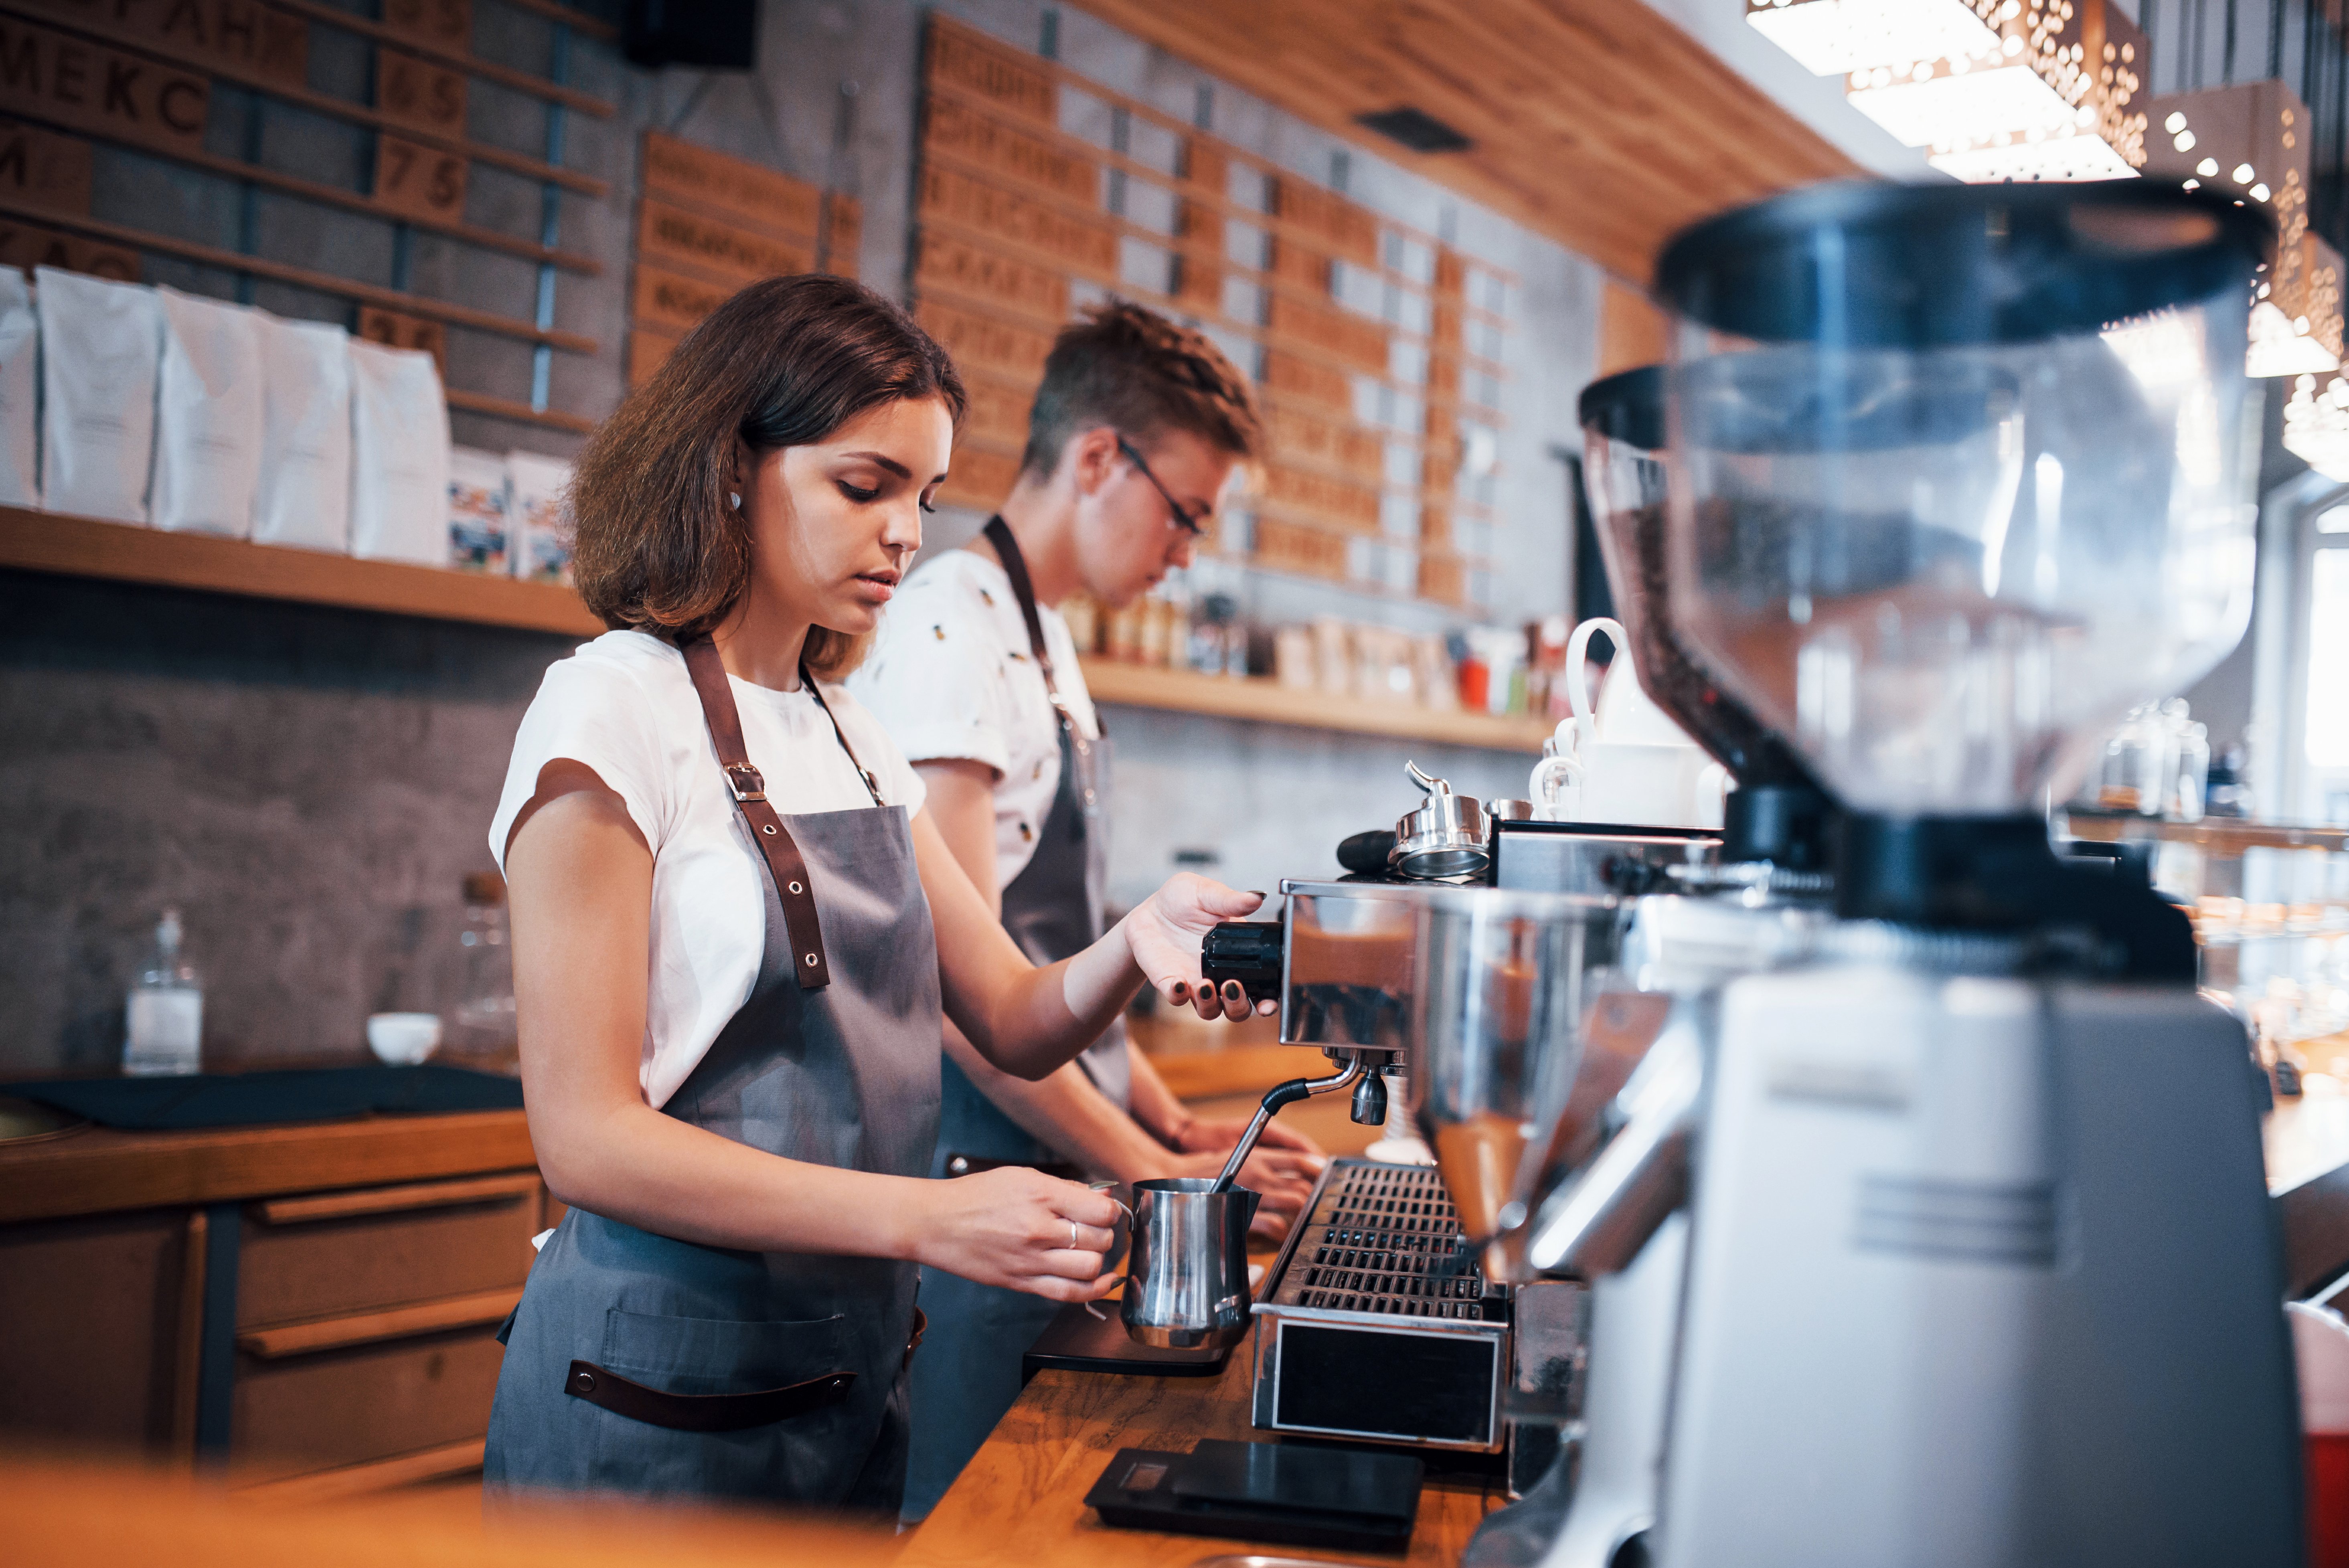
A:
{"x":1982,"y":1268}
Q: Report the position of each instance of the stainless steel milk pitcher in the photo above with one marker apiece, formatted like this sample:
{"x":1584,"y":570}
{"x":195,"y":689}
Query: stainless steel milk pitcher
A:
{"x":1188,"y":1284}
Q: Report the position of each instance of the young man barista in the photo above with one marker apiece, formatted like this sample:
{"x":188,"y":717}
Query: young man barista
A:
{"x":1136,"y":429}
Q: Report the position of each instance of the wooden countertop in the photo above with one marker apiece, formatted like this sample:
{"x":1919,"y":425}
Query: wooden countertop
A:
{"x":1020,"y":1504}
{"x":98,"y":1170}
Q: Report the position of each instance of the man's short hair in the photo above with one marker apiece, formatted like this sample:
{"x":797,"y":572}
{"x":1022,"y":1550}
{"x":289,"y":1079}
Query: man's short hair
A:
{"x":1141,"y":375}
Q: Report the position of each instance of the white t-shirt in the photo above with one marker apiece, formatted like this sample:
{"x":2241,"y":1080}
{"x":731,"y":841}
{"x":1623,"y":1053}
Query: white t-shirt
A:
{"x":953,"y":678}
{"x":623,"y":706}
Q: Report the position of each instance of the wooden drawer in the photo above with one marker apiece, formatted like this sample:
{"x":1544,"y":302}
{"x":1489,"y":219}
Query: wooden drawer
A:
{"x":299,"y":1414}
{"x":99,"y":1322}
{"x":360,"y":1251}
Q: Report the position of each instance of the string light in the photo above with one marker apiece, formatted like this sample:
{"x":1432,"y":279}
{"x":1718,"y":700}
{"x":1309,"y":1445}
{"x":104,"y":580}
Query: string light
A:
{"x":1993,"y":90}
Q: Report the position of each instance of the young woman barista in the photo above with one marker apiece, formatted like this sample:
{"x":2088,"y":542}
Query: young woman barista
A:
{"x":734,"y":928}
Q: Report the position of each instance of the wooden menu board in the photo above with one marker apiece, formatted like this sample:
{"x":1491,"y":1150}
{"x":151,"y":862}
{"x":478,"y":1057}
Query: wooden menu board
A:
{"x":77,"y":76}
{"x":709,"y":223}
{"x":1040,"y":190}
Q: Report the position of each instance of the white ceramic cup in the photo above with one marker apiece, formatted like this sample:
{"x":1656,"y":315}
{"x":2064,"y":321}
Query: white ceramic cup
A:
{"x":403,"y":1039}
{"x":1631,"y":786}
{"x":1624,"y":712}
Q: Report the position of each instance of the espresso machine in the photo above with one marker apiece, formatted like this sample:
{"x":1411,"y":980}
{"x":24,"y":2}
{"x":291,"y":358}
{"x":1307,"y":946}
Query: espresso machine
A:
{"x":1391,"y":1315}
{"x":1980,"y":1266}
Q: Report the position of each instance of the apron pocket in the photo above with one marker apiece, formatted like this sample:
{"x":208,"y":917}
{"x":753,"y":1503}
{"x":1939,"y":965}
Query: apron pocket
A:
{"x":793,"y":1459}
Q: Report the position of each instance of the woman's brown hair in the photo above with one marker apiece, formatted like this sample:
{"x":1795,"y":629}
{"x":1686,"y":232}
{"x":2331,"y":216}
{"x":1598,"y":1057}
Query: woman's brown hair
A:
{"x":783,"y":362}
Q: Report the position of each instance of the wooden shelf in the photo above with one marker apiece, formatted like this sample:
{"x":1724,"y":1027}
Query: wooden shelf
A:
{"x":121,"y":553}
{"x":1268,"y":702}
{"x":85,"y":547}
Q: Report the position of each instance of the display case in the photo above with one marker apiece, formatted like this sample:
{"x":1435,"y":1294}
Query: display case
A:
{"x":2270,"y":904}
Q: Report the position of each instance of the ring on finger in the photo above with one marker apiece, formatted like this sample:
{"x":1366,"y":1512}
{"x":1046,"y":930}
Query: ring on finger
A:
{"x":1073,"y":1236}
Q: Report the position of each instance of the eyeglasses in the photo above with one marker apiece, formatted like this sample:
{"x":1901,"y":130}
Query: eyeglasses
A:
{"x":1193,"y":523}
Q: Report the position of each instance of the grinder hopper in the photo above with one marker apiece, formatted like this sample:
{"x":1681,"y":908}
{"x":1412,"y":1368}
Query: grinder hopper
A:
{"x":1772,"y":814}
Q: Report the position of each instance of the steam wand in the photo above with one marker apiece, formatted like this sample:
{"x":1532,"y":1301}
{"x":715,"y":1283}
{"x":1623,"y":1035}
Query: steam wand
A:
{"x":1288,"y":1093}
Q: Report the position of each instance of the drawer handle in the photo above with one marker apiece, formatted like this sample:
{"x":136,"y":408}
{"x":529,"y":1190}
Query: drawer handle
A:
{"x":393,"y":1200}
{"x":369,"y":1329}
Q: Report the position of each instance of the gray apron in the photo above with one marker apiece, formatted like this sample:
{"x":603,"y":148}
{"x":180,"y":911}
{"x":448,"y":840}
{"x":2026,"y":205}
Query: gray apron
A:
{"x":844,"y":1074}
{"x":968,"y":1374}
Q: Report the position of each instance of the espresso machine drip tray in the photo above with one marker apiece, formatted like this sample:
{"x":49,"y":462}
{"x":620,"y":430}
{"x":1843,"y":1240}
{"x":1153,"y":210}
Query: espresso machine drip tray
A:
{"x":1382,"y":1240}
{"x":1372,"y":1326}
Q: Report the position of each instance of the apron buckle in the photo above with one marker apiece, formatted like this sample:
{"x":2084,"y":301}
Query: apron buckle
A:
{"x":747,"y":782}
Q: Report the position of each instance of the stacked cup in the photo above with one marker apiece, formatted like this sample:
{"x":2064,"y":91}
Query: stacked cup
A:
{"x":1626,"y":764}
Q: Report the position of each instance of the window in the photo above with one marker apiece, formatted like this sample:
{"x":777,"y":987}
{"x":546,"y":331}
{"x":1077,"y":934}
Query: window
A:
{"x":2327,"y":728}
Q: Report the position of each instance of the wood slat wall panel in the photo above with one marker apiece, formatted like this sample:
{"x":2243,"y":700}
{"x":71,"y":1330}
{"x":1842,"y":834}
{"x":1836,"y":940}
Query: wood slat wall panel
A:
{"x":1013,"y":209}
{"x":1595,"y":121}
{"x":707,"y":225}
{"x":1631,"y":331}
{"x":1226,"y":155}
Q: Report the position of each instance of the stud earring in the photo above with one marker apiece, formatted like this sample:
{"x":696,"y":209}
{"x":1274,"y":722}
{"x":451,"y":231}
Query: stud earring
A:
{"x":734,"y":500}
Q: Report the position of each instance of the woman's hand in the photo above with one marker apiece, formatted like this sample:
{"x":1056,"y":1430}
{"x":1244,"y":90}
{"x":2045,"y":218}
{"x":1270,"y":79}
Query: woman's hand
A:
{"x":1164,"y":931}
{"x":1021,"y":1229}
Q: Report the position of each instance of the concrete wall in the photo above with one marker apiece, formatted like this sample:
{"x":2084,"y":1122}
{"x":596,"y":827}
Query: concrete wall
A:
{"x":309,"y":785}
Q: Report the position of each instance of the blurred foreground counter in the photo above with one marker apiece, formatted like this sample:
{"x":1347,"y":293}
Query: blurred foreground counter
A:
{"x":63,"y":1515}
{"x":312,"y":1303}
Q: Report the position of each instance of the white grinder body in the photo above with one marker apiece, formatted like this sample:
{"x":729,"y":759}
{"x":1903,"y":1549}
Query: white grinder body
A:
{"x":1982,"y":1272}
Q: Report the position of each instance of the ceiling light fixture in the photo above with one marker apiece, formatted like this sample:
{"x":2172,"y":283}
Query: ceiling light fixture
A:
{"x":1994,"y":89}
{"x":2317,"y":426}
{"x":2257,"y":131}
{"x":1416,"y":128}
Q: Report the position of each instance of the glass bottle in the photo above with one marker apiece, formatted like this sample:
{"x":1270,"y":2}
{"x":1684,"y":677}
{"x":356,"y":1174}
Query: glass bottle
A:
{"x":485,"y":1005}
{"x":164,"y":1013}
{"x":2189,"y":802}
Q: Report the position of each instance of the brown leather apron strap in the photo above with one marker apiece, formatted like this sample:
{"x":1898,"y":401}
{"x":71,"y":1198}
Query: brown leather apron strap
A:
{"x":1023,"y":588}
{"x":784,"y":863}
{"x":703,"y":1412}
{"x":971,"y":1164}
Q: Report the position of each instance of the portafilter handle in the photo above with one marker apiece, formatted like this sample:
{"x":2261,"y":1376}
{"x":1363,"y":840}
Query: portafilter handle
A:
{"x":1247,"y":951}
{"x":1288,"y":1093}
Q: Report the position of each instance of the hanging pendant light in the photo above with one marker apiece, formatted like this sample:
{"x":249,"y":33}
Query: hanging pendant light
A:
{"x":1994,"y":89}
{"x":2317,"y":425}
{"x":2250,"y":140}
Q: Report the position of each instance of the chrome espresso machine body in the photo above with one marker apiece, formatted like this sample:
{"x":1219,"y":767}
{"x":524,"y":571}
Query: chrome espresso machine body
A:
{"x":1381,"y":1320}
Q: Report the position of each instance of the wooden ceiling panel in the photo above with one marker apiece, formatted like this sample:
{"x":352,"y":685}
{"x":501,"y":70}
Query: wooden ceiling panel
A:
{"x":1596,"y":122}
